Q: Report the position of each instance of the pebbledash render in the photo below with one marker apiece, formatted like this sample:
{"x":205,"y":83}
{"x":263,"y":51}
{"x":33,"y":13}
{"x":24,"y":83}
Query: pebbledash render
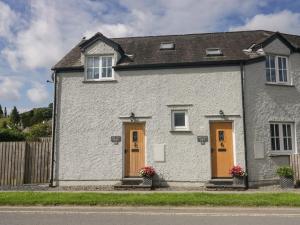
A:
{"x":191,"y":106}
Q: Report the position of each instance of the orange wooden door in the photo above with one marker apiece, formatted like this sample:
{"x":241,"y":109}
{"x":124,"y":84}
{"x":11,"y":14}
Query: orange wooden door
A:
{"x":134,"y":148}
{"x":221,"y":149}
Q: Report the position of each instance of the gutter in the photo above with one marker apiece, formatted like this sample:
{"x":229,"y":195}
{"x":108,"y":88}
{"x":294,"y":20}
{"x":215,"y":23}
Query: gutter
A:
{"x":177,"y":65}
{"x":128,"y":67}
{"x":68,"y":69}
{"x":242,"y":67}
{"x":53,"y":131}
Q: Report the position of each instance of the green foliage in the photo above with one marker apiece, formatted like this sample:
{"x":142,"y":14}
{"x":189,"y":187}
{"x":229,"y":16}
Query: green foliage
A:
{"x":35,"y":116}
{"x":285,"y":171}
{"x":38,"y":130}
{"x":15,"y":116}
{"x":3,"y":122}
{"x":5,"y":112}
{"x":1,"y":112}
{"x":150,"y":199}
{"x":11,"y":135}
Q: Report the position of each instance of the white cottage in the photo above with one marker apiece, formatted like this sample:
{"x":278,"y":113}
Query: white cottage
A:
{"x":191,"y":106}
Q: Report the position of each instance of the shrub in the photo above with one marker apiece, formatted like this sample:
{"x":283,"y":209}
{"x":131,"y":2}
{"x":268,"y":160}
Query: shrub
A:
{"x":3,"y":123}
{"x":285,"y":171}
{"x":38,"y":130}
{"x":11,"y":135}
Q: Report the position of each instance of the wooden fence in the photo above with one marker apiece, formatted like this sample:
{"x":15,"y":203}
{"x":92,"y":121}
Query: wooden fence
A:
{"x":295,"y":164}
{"x":25,"y":162}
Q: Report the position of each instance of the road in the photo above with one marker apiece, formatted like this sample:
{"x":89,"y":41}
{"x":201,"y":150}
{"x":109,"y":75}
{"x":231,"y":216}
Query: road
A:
{"x":147,"y":215}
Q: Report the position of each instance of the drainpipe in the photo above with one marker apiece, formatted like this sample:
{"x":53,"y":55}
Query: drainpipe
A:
{"x":242,"y":67}
{"x":53,"y":130}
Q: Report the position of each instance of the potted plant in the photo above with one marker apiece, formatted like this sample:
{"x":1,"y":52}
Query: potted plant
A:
{"x":238,"y":174}
{"x":147,"y":174}
{"x":286,"y":176}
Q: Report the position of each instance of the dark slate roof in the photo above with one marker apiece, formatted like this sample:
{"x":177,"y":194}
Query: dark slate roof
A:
{"x":189,"y":49}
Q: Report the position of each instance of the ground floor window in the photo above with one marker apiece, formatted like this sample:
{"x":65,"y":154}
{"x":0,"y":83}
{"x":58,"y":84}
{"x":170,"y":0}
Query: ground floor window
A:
{"x":179,"y":120}
{"x":282,"y":137}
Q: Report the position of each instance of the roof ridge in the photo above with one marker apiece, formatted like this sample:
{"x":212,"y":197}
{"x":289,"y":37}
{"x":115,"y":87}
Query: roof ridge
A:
{"x":174,"y":35}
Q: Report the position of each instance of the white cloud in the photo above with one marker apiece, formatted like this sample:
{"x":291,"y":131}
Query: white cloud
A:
{"x":55,"y":25}
{"x":7,"y":19}
{"x":38,"y":93}
{"x":11,"y":58}
{"x":283,"y":21}
{"x":10,"y":88}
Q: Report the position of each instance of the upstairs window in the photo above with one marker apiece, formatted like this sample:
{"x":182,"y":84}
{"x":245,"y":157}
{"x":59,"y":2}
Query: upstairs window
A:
{"x":99,"y":67}
{"x":277,"y":69}
{"x":282,"y":137}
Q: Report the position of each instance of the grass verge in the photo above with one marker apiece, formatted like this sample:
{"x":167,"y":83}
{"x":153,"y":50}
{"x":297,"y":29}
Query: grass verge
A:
{"x":155,"y":199}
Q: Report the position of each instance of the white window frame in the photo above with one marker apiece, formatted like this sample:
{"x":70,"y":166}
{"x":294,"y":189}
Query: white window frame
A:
{"x":186,"y":121}
{"x":277,"y":70}
{"x":100,"y":68}
{"x":281,"y":141}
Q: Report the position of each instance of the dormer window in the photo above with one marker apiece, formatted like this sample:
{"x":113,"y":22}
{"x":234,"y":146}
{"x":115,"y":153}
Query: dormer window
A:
{"x":99,"y":67}
{"x":277,"y":69}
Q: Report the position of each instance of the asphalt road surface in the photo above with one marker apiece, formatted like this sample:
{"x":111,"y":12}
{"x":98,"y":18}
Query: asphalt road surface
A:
{"x":147,"y":215}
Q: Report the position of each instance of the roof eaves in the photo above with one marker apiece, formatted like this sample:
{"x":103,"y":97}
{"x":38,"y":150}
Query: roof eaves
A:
{"x":178,"y":65}
{"x":68,"y":69}
{"x":167,"y":65}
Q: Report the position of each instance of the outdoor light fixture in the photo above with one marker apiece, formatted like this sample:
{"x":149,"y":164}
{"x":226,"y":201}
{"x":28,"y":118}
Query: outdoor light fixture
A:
{"x":132,"y":117}
{"x":221,"y":112}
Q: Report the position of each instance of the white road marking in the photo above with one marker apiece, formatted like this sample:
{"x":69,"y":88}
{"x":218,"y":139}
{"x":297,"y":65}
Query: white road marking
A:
{"x":200,"y":214}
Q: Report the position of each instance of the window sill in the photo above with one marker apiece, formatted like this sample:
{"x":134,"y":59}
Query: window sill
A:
{"x":274,"y":154}
{"x":279,"y":84}
{"x":99,"y":81}
{"x":180,"y":131}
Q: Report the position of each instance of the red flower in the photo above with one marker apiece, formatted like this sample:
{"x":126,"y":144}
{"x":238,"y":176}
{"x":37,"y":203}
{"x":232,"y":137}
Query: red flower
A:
{"x":237,"y":171}
{"x":147,"y":171}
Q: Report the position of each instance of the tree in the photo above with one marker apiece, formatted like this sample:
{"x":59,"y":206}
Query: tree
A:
{"x":5,"y":112}
{"x":15,"y":116}
{"x":1,"y":112}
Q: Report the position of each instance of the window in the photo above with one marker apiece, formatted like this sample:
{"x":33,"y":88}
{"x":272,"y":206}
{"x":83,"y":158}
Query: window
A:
{"x":167,"y":46}
{"x":277,"y":69}
{"x":179,"y":120}
{"x":281,"y":137}
{"x":213,"y":52}
{"x":99,"y":67}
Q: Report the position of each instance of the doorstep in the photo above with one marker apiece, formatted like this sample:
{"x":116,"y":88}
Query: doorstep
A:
{"x":223,"y":185}
{"x":132,"y":183}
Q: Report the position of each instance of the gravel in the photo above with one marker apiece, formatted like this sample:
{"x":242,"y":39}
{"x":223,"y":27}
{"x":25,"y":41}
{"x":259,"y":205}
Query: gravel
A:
{"x":45,"y":187}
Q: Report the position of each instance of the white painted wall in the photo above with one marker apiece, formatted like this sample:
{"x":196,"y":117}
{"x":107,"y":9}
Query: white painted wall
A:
{"x":90,"y":113}
{"x":265,"y":103}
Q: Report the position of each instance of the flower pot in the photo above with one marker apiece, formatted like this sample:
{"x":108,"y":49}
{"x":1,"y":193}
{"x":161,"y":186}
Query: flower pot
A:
{"x":239,"y":180}
{"x":147,"y":181}
{"x":286,"y":182}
